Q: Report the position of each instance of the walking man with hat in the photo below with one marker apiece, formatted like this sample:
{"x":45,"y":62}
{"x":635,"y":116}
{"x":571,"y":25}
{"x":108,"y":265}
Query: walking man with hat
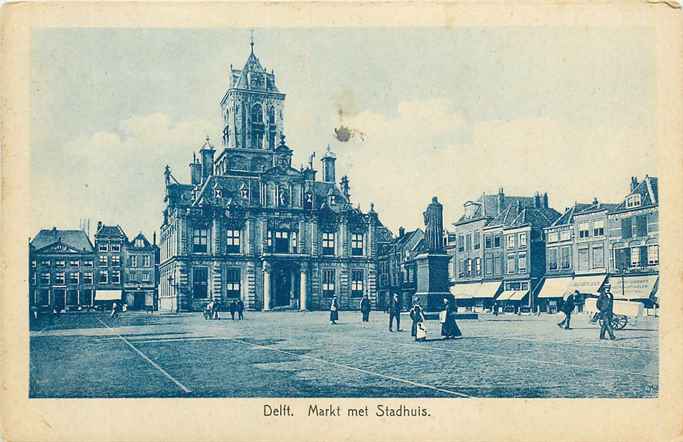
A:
{"x":605,"y":305}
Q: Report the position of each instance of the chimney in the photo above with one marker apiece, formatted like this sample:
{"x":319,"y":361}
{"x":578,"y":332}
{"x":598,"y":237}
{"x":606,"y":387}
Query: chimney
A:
{"x":207,"y":152}
{"x":328,"y":165}
{"x":537,"y":200}
{"x":154,"y":238}
{"x":634,"y":183}
{"x":195,"y":171}
{"x":401,"y":231}
{"x":99,"y":226}
{"x":545,"y":200}
{"x":501,"y":199}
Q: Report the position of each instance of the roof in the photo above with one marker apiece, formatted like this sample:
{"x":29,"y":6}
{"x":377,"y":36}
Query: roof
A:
{"x":76,"y":239}
{"x":110,"y":231}
{"x":401,"y":242}
{"x":487,"y":206}
{"x":146,"y":243}
{"x":535,"y":217}
{"x":597,"y":206}
{"x":568,"y":216}
{"x":649,"y":194}
{"x":240,"y":80}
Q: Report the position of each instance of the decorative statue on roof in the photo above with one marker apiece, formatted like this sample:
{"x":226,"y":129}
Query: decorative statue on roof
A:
{"x":433,"y":219}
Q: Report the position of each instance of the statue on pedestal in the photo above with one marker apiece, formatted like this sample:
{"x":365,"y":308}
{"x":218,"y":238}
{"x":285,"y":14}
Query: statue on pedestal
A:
{"x":433,"y":219}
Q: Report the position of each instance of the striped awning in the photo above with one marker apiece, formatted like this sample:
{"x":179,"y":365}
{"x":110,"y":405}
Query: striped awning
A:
{"x":505,"y":296}
{"x":465,"y":290}
{"x":488,"y":289}
{"x":588,"y":285}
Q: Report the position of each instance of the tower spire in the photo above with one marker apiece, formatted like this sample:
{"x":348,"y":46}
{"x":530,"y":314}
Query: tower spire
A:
{"x":251,"y":40}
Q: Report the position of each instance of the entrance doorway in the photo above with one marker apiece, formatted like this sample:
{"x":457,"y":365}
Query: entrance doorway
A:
{"x":285,"y":285}
{"x":60,"y":299}
{"x":138,"y":300}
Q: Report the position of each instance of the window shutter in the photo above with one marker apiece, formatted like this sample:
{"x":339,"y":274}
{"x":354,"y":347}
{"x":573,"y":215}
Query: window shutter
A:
{"x":626,"y":228}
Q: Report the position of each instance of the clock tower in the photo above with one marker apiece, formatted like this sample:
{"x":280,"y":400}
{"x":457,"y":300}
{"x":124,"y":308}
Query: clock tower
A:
{"x":252,"y":108}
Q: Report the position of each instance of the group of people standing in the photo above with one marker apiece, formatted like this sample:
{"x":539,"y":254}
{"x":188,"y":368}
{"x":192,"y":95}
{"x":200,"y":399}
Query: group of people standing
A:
{"x":447,"y":317}
{"x":605,"y":313}
{"x":236,"y":307}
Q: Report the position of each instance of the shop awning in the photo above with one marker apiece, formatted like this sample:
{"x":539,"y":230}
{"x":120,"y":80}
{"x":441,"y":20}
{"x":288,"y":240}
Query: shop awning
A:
{"x":506,"y":295}
{"x":634,"y":287}
{"x":108,"y":295}
{"x":588,"y":285}
{"x":518,"y":295}
{"x":555,"y":287}
{"x":465,"y":291}
{"x":488,"y":289}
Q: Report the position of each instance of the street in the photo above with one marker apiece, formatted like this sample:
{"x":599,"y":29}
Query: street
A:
{"x":291,"y":354}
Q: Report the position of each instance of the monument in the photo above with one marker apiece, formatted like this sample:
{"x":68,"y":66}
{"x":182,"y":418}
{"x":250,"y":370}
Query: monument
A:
{"x":432,"y":262}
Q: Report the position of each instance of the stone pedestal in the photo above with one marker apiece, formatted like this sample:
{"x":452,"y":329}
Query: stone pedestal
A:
{"x":432,"y":280}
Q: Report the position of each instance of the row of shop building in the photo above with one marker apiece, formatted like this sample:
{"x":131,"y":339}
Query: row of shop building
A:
{"x":520,"y":254}
{"x":68,"y":272}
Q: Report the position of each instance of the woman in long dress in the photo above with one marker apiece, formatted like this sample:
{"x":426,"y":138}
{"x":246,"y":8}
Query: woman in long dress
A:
{"x":449,"y":328}
{"x":334,"y":311}
{"x":365,"y":308}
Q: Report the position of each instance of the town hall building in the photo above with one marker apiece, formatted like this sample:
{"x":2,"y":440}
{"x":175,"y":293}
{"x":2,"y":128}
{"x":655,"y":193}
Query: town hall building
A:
{"x":250,"y":226}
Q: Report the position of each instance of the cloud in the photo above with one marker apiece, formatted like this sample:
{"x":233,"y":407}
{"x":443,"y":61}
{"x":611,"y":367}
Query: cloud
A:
{"x":428,"y":148}
{"x":116,"y":176}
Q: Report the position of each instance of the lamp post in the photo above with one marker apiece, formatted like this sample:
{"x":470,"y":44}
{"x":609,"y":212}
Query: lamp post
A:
{"x":173,"y":284}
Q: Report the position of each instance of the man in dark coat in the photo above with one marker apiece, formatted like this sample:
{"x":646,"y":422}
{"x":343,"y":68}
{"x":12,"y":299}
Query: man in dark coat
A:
{"x":365,"y":308}
{"x":605,"y":305}
{"x":568,"y":308}
{"x":240,"y":309}
{"x":395,"y":312}
{"x":233,"y":309}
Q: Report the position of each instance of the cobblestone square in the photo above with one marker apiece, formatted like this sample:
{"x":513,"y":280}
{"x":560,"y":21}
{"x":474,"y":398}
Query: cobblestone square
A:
{"x":289,"y":354}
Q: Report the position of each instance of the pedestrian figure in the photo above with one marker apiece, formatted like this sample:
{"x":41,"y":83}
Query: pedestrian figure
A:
{"x":334,"y":311}
{"x":449,"y":328}
{"x":233,"y":309}
{"x":417,"y":329}
{"x":208,"y":310}
{"x":365,"y":308}
{"x":567,"y":309}
{"x":395,"y":312}
{"x":605,"y":305}
{"x":240,"y":309}
{"x":114,"y":311}
{"x":216,"y":310}
{"x":495,"y":308}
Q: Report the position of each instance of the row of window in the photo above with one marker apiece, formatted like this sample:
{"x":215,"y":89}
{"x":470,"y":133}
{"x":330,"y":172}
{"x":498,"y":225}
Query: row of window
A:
{"x":278,"y":241}
{"x":559,"y":258}
{"x":635,"y":257}
{"x":104,"y":277}
{"x":472,"y":241}
{"x":61,"y":263}
{"x":200,"y":280}
{"x":493,"y":265}
{"x":107,"y":247}
{"x":595,"y":229}
{"x":634,"y":226}
{"x":555,"y":236}
{"x":64,"y":297}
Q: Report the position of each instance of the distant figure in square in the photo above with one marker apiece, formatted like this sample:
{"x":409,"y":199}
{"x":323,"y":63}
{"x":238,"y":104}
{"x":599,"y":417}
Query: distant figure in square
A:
{"x":449,"y":328}
{"x":395,"y":313}
{"x":233,"y":309}
{"x":417,"y":330}
{"x":567,"y":309}
{"x":365,"y":308}
{"x":114,"y":311}
{"x":334,"y":311}
{"x":495,"y":308}
{"x":240,"y":309}
{"x":605,"y":305}
{"x":216,"y":310}
{"x":208,"y":310}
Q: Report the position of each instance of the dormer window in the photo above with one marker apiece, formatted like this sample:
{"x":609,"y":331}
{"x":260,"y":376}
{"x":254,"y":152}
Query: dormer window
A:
{"x":633,"y":200}
{"x":470,"y":210}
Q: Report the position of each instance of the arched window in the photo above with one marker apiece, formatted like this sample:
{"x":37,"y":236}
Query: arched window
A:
{"x":271,"y":115}
{"x":256,"y":114}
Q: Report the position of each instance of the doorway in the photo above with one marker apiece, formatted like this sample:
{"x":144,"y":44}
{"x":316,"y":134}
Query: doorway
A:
{"x":60,"y":299}
{"x":285,"y":285}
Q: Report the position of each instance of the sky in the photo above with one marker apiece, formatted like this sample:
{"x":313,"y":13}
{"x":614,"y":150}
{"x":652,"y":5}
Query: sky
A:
{"x":446,"y":112}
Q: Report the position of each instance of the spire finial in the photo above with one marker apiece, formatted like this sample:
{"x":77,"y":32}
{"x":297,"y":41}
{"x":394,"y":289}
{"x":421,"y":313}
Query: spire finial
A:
{"x":251,"y":40}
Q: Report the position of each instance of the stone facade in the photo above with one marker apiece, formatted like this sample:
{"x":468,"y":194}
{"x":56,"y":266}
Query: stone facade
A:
{"x":250,"y":226}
